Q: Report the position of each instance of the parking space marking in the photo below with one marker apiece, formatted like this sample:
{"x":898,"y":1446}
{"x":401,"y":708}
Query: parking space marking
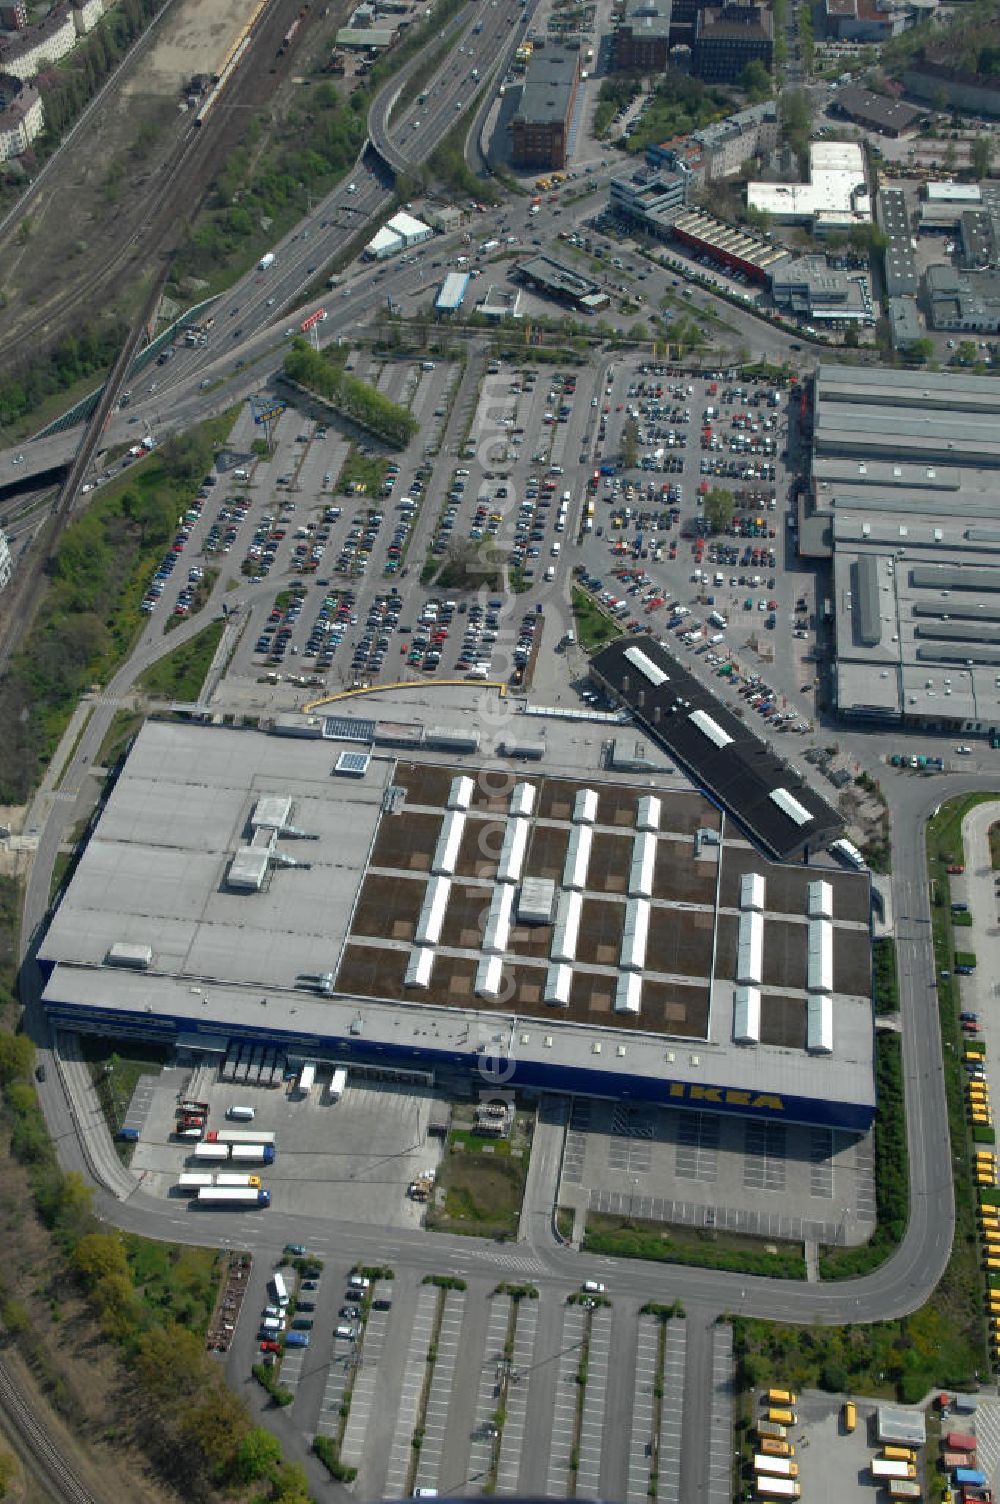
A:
{"x":414,"y":1372}
{"x":439,"y":1396}
{"x":292,"y":1363}
{"x":720,"y":1432}
{"x":643,"y":1401}
{"x":363,"y":1394}
{"x":668,"y":1488}
{"x":575,"y":1150}
{"x":988,"y":1438}
{"x":341,"y":1365}
{"x":481,"y":1449}
{"x":764,"y":1164}
{"x":821,"y":1162}
{"x":697,"y":1146}
{"x":588,"y":1473}
{"x":564,"y":1409}
{"x":512,"y":1441}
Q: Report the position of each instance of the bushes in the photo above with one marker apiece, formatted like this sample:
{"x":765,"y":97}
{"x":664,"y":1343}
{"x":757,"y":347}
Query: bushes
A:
{"x":892,"y":1173}
{"x":886,"y":980}
{"x":329,"y":1454}
{"x":446,"y":1281}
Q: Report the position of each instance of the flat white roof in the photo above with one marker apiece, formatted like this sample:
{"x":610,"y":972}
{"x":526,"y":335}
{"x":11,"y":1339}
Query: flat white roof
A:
{"x":647,"y":668}
{"x":836,"y":192}
{"x":790,"y":806}
{"x":750,"y":949}
{"x":710,"y":728}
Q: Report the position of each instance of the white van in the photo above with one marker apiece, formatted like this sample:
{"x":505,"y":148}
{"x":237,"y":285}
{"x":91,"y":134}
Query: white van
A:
{"x":550,"y":573}
{"x":241,"y":475}
{"x":241,"y":1114}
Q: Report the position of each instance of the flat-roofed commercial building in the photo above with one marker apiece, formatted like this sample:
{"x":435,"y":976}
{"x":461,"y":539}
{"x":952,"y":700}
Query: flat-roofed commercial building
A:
{"x":905,"y":476}
{"x":352,"y":949}
{"x":540,"y":127}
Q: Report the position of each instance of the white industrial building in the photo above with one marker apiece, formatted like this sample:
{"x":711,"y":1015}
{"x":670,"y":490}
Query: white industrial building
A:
{"x":399,"y":234}
{"x":836,"y":196}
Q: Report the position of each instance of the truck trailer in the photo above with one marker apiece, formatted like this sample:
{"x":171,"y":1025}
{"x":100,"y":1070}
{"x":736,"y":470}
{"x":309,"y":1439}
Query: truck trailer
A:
{"x":210,"y":1152}
{"x":884,"y":1468}
{"x":192,"y":1181}
{"x":251,"y":1153}
{"x":776,"y":1467}
{"x":233,"y":1196}
{"x":338,"y":1084}
{"x":903,"y":1488}
{"x":239,"y":1136}
{"x":776,"y":1488}
{"x":243,"y":1180}
{"x":266,"y":261}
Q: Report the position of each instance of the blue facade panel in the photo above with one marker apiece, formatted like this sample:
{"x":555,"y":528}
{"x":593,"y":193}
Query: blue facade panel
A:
{"x":535,"y":1075}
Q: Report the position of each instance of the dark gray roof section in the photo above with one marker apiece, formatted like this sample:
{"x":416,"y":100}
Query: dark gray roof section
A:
{"x":958,"y":631}
{"x":956,"y":610}
{"x":967,"y":652}
{"x":867,"y":617}
{"x":548,"y":85}
{"x":950,"y":577}
{"x":558,"y":278}
{"x":741,"y":774}
{"x":875,"y":109}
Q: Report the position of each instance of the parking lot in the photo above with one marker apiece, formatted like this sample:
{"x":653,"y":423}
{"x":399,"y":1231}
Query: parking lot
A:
{"x":741,"y":1175}
{"x":351,"y":1160}
{"x":491,"y":1385}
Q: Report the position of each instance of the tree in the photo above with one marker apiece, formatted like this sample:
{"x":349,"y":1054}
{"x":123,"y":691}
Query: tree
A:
{"x":965,"y":355}
{"x":257,"y":1455}
{"x":982,"y":151}
{"x":630,"y":444}
{"x":756,"y":80}
{"x":719,"y":506}
{"x":920,"y":350}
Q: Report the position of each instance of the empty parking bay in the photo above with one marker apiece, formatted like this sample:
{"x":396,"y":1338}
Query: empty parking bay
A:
{"x":401,"y":1451}
{"x":439,"y":1395}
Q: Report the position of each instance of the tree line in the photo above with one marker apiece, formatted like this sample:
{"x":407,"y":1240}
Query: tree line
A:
{"x":317,"y":373}
{"x":197,"y":1432}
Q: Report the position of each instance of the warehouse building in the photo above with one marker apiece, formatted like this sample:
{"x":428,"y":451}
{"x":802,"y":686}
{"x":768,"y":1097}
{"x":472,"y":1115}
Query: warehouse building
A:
{"x":963,"y":302}
{"x":540,"y":127}
{"x":890,"y":117}
{"x":731,"y":245}
{"x":904,"y":477}
{"x":570,"y":930}
{"x":451,"y":293}
{"x":899,"y":261}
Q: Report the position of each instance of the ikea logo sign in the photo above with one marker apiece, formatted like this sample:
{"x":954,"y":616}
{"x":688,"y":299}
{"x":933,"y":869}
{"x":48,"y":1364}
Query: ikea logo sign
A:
{"x":725,"y":1096}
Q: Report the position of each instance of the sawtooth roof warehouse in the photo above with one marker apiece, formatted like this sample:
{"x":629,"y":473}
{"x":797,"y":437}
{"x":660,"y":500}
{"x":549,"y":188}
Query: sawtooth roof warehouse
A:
{"x":615,"y":937}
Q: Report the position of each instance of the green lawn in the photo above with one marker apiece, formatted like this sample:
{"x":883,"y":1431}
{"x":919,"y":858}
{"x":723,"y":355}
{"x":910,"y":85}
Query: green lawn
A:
{"x":593,"y":627}
{"x":181,"y":674}
{"x":623,"y":1237}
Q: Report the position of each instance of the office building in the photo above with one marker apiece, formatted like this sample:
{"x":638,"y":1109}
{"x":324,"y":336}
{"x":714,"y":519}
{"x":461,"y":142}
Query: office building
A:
{"x":727,"y":38}
{"x":836,"y":197}
{"x":642,"y":41}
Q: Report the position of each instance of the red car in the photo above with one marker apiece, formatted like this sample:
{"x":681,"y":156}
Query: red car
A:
{"x":270,"y":1347}
{"x":955,"y":868}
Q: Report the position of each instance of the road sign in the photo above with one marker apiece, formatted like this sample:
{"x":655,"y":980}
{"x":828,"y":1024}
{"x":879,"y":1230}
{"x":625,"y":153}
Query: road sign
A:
{"x":313,"y":319}
{"x":268,"y":414}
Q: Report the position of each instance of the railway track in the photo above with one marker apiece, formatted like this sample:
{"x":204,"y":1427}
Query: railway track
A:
{"x":49,"y":1465}
{"x":170,"y":198}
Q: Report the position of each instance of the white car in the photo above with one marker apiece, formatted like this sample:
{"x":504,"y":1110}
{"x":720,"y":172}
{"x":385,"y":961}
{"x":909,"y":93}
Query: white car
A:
{"x":966,"y":751}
